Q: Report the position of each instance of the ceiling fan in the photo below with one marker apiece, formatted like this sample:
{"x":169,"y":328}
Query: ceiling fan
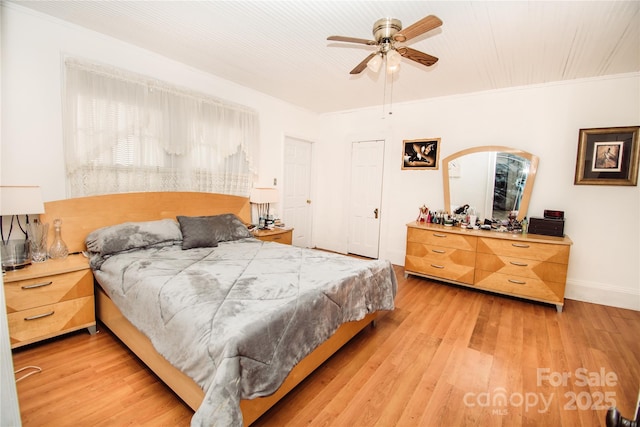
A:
{"x":387,"y":32}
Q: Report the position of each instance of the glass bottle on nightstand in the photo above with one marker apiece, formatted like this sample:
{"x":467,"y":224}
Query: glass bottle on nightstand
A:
{"x":58,"y":249}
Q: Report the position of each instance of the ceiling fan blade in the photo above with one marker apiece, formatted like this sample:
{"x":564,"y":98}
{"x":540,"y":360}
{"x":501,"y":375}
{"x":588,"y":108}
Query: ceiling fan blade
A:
{"x":427,"y":23}
{"x":361,"y":66}
{"x":416,"y":55}
{"x":352,"y":40}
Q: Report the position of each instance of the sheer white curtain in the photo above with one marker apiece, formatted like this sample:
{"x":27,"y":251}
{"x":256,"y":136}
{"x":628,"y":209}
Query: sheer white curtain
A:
{"x":125,"y":132}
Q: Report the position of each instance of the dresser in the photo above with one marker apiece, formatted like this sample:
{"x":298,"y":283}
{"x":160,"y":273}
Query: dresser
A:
{"x":277,"y":234}
{"x":527,"y":266}
{"x":49,"y":299}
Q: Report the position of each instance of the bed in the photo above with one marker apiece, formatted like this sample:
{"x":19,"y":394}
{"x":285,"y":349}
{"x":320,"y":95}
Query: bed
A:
{"x":163,"y":286}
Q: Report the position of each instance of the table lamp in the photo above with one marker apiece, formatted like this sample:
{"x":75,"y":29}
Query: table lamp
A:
{"x":14,"y":201}
{"x":262,"y":197}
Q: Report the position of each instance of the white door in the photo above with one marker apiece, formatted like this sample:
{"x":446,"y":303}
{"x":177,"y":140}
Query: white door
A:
{"x":365,"y":197}
{"x":297,"y":190}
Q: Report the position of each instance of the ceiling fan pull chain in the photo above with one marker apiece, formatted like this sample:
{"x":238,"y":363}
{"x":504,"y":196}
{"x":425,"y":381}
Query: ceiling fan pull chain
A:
{"x":387,"y":101}
{"x":391,"y":96}
{"x":384,"y":90}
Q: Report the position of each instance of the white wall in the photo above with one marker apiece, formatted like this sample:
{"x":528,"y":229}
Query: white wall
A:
{"x":33,"y":46}
{"x":602,"y":221}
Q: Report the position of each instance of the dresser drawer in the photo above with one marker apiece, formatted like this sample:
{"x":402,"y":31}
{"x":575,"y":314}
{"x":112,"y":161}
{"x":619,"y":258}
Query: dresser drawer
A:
{"x":547,"y":271}
{"x":439,"y":238}
{"x":284,"y":238}
{"x":439,"y":261}
{"x":25,"y":294}
{"x":519,"y":286}
{"x":524,"y":249}
{"x":46,"y":321}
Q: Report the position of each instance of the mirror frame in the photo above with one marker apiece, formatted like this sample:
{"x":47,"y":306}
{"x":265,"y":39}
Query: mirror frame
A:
{"x":528,"y":186}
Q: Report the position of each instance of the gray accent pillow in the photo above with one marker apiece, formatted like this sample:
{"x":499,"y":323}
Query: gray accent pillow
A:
{"x":133,"y":235}
{"x":198,"y":231}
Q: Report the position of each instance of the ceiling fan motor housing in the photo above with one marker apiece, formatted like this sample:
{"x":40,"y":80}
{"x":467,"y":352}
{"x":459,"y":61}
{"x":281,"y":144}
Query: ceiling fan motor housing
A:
{"x":385,"y":28}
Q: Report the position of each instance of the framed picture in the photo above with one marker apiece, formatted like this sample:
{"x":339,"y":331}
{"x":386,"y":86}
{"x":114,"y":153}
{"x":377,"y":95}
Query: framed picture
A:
{"x":421,"y":153}
{"x":608,"y":156}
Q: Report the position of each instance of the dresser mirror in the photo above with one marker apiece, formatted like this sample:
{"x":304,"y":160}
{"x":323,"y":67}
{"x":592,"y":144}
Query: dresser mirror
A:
{"x":493,"y":180}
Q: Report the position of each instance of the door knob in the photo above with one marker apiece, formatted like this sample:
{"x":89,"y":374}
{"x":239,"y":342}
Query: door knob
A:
{"x":375,"y":213}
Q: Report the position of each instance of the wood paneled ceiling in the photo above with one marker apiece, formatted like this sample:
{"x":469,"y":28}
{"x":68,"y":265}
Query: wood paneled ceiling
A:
{"x":280,"y":47}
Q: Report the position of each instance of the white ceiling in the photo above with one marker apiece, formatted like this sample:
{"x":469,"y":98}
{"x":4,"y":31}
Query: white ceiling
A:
{"x":280,"y":47}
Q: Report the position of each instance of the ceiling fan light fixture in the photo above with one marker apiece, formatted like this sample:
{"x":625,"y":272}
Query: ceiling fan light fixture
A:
{"x":393,"y":68}
{"x":375,"y":63}
{"x":393,"y":61}
{"x":386,"y":32}
{"x":393,"y":57}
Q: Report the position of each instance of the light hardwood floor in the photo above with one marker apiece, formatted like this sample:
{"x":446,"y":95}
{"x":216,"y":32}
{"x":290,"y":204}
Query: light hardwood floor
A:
{"x":445,"y":356}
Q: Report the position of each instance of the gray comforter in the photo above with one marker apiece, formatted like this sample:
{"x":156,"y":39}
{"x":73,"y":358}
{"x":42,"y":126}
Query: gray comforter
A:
{"x":238,"y":317}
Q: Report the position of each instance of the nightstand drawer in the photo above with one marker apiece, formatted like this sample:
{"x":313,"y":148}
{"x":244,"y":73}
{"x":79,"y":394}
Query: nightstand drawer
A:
{"x":26,"y":294}
{"x":284,"y":236}
{"x":47,"y":321}
{"x":48,"y":299}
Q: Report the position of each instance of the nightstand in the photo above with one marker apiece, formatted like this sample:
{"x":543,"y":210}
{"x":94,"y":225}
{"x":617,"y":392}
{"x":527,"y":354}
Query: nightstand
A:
{"x":280,"y":235}
{"x":49,"y":299}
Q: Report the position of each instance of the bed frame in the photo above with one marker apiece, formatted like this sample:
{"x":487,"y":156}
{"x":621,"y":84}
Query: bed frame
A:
{"x":80,"y":216}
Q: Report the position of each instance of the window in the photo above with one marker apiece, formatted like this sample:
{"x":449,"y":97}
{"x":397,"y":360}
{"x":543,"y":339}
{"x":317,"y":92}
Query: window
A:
{"x":124,"y":132}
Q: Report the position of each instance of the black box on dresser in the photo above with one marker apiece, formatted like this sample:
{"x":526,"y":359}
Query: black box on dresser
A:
{"x":546,"y":226}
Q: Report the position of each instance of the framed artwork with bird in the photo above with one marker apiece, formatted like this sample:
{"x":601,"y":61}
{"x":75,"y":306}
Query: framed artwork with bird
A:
{"x":421,"y":153}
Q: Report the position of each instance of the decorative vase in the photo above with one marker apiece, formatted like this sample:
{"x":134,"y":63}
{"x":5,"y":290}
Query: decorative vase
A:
{"x":58,"y":249}
{"x":37,"y":232}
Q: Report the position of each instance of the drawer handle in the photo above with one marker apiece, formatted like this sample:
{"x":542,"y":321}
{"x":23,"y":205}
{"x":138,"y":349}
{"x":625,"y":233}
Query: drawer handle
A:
{"x":40,"y":316}
{"x":437,"y":266}
{"x":438,"y":251}
{"x":439,"y":235}
{"x":517,"y":282}
{"x":37,"y":285}
{"x":518,"y":264}
{"x":519,"y":245}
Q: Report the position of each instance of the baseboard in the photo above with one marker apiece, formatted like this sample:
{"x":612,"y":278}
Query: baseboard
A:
{"x":601,"y":293}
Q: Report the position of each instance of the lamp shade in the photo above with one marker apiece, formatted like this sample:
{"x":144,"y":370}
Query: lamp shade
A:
{"x":20,"y":200}
{"x":263,"y":195}
{"x":375,"y":63}
{"x":393,"y":61}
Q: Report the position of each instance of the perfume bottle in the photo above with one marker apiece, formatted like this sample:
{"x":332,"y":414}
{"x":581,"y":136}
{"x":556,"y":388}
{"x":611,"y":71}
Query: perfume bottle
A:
{"x":58,"y":249}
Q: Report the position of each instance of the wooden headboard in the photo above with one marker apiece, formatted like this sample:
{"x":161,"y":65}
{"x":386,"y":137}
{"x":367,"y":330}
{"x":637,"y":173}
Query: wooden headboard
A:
{"x":82,"y":215}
